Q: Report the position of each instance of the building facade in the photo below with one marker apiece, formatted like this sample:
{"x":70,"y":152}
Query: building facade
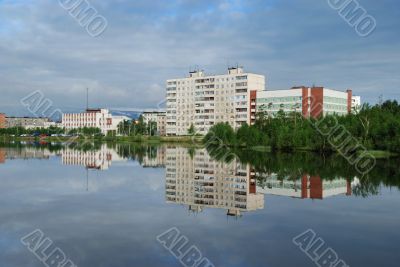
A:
{"x":310,"y":102}
{"x":28,"y":122}
{"x":158,"y":117}
{"x":356,"y":103}
{"x":162,"y":124}
{"x":2,"y":121}
{"x":207,"y":100}
{"x":92,"y":118}
{"x":201,"y":182}
{"x":152,"y":116}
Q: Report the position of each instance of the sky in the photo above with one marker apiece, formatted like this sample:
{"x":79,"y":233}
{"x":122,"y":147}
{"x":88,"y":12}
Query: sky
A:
{"x":292,"y":42}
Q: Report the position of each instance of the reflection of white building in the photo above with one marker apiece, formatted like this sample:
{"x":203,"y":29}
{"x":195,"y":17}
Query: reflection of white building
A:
{"x":313,"y":187}
{"x":200,"y":182}
{"x":94,"y":159}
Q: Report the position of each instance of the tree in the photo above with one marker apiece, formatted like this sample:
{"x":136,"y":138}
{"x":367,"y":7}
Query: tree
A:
{"x":191,"y":130}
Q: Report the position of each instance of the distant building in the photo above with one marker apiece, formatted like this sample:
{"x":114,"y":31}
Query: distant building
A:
{"x":92,"y":118}
{"x":162,"y":124}
{"x":310,"y":102}
{"x":2,"y":121}
{"x":152,"y":116}
{"x":205,"y":100}
{"x":28,"y":122}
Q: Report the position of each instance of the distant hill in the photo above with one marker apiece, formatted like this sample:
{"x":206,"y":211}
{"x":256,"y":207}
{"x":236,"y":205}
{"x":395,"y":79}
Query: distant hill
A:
{"x":131,"y":114}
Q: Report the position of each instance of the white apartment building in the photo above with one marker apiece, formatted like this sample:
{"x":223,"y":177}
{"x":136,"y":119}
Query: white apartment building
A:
{"x":201,"y":182}
{"x":92,"y":118}
{"x":152,"y":116}
{"x":207,"y":100}
{"x":356,"y":103}
{"x":311,"y":102}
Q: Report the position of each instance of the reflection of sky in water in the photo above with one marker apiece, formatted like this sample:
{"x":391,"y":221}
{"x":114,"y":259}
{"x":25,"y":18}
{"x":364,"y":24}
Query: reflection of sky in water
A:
{"x":117,"y":221}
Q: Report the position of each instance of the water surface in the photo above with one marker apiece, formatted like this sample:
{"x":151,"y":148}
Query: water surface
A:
{"x":105,"y":205}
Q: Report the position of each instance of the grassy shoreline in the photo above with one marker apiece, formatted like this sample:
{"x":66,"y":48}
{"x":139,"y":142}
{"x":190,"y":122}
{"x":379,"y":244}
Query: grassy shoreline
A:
{"x":181,"y":140}
{"x":118,"y":139}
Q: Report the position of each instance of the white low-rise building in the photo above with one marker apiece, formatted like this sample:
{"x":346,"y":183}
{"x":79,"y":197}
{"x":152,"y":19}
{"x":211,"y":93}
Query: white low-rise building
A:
{"x":309,"y":101}
{"x":92,"y":118}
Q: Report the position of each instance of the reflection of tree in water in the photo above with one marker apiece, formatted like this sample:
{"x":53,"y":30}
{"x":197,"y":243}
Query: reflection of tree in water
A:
{"x":136,"y":152}
{"x":292,"y":166}
{"x":365,"y":188}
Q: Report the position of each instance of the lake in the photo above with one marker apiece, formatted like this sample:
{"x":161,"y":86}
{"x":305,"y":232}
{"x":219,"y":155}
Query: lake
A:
{"x":131,"y":205}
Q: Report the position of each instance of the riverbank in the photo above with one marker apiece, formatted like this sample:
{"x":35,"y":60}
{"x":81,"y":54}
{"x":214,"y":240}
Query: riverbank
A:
{"x":181,"y":140}
{"x":119,"y":139}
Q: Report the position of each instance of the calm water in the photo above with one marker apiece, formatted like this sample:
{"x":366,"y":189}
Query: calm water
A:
{"x":106,"y":205}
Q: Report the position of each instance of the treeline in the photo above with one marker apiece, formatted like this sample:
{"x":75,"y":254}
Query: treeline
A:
{"x":52,"y":130}
{"x":137,"y":127}
{"x":374,"y":127}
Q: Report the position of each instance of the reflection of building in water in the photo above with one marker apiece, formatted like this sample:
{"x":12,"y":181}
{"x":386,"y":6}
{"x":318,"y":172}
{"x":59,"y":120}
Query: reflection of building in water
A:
{"x":2,"y":155}
{"x":201,"y":182}
{"x":307,"y":187}
{"x":155,"y":158}
{"x":94,"y":159}
{"x":24,"y":153}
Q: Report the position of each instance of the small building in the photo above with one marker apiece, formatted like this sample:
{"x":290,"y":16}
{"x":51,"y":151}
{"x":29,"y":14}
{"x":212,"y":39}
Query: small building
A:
{"x":309,"y":101}
{"x":28,"y":122}
{"x":162,"y":124}
{"x":152,"y":116}
{"x":92,"y":118}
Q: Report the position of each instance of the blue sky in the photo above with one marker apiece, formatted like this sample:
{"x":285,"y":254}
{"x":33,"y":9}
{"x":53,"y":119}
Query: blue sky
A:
{"x":291,"y":42}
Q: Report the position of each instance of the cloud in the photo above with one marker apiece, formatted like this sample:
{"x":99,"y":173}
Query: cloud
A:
{"x":291,"y":42}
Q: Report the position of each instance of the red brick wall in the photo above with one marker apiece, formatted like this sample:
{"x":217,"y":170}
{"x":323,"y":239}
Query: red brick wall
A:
{"x":349,"y":100}
{"x":2,"y":120}
{"x":305,"y":102}
{"x":317,"y":102}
